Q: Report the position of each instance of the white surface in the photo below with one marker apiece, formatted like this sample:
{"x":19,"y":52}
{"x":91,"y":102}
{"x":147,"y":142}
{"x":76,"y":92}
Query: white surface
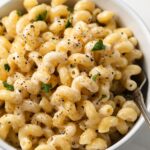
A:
{"x":142,"y":140}
{"x":142,"y":7}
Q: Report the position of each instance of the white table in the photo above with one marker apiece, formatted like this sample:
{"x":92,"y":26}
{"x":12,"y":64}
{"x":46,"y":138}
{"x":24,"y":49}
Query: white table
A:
{"x":142,"y":140}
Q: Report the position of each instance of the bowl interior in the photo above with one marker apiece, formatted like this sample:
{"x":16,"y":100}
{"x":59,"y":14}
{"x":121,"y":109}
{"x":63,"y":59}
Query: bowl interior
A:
{"x":126,"y":17}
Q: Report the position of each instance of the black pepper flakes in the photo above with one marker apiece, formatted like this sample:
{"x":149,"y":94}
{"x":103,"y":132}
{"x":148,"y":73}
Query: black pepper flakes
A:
{"x":32,"y":26}
{"x":40,"y":57}
{"x":92,"y":59}
{"x":39,"y":95}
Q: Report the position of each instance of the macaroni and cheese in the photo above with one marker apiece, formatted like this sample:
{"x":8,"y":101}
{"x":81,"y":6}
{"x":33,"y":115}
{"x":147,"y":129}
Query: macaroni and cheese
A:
{"x":63,"y":74}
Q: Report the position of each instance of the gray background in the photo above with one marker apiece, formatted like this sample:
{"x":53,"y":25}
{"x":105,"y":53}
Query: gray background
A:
{"x":142,"y":140}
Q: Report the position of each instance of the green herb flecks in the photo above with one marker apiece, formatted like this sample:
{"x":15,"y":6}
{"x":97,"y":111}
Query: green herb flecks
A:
{"x":19,"y":13}
{"x":99,"y":46}
{"x":8,"y":86}
{"x":104,"y":96}
{"x":94,"y":77}
{"x":7,"y":67}
{"x":42,"y":16}
{"x":70,"y":9}
{"x":68,"y":24}
{"x":46,"y":87}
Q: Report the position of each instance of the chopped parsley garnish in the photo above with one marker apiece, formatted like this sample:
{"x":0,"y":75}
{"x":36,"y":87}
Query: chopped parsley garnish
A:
{"x":41,"y":16}
{"x":7,"y":67}
{"x":70,"y":9}
{"x":104,"y":96}
{"x":68,"y":24}
{"x":19,"y":12}
{"x":95,"y":77}
{"x":46,"y":87}
{"x":8,"y":86}
{"x":98,"y":46}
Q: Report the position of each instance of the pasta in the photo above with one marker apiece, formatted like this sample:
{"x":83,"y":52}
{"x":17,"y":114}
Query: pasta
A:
{"x":63,"y":75}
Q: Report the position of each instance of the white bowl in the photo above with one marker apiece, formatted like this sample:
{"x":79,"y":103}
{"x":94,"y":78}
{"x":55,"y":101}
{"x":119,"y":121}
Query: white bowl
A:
{"x":127,"y":17}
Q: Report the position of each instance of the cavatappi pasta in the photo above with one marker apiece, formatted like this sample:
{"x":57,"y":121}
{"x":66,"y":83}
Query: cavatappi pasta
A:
{"x":63,"y":73}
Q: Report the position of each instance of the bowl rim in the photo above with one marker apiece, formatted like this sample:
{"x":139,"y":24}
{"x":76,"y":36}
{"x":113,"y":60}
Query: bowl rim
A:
{"x":140,"y":121}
